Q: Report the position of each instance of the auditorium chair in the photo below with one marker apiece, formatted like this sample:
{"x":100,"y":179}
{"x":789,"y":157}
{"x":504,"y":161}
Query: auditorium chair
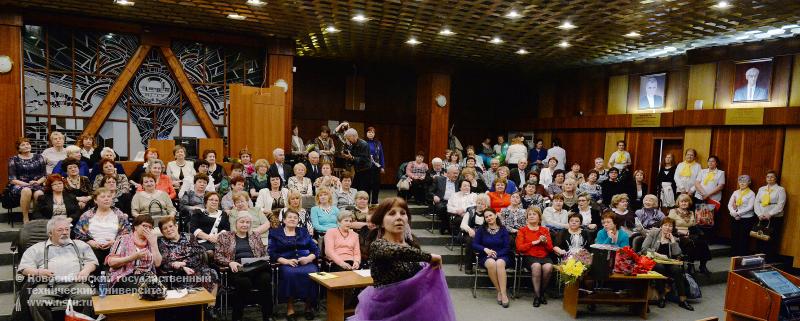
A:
{"x":482,"y":271}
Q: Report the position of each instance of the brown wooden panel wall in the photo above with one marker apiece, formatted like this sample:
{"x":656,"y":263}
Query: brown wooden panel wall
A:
{"x":745,"y":150}
{"x":582,"y":146}
{"x":257,"y":120}
{"x":10,"y":90}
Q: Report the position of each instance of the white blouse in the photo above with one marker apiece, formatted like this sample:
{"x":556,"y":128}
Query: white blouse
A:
{"x":686,"y":184}
{"x":719,"y":179}
{"x":104,"y":229}
{"x":777,"y":200}
{"x":264,"y":200}
{"x":174,"y":171}
{"x":625,"y":163}
{"x":748,"y":202}
{"x":546,"y":176}
{"x":460,"y":201}
{"x":553,"y":218}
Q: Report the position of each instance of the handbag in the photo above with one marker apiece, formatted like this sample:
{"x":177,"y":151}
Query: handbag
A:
{"x":760,"y":231}
{"x":403,"y":185}
{"x":704,"y":214}
{"x":693,"y":288}
{"x":257,"y":266}
{"x":150,"y":288}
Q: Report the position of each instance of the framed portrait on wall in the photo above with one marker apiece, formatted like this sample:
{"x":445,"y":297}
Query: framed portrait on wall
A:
{"x":652,"y":90}
{"x":752,"y":80}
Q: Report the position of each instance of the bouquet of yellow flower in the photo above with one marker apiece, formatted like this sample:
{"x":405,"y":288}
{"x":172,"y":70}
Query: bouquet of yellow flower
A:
{"x":572,"y":269}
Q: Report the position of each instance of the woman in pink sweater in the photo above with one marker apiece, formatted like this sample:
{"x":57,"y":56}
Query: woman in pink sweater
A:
{"x":341,"y":245}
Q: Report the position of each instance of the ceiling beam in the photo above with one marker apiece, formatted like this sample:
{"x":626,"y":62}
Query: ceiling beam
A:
{"x":116,"y":90}
{"x":177,"y":71}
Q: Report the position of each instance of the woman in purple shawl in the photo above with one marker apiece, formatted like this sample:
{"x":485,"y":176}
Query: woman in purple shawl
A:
{"x":408,"y":282}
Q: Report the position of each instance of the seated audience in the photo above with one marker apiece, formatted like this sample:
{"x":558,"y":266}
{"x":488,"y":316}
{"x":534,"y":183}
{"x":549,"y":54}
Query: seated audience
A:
{"x":323,"y":216}
{"x":312,"y":165}
{"x":299,"y":183}
{"x":259,"y":222}
{"x":121,"y":201}
{"x":182,"y":256}
{"x":547,"y":174}
{"x":134,"y":255}
{"x":89,"y":153}
{"x":107,"y":167}
{"x":26,"y":175}
{"x":442,"y":189}
{"x":626,"y":219}
{"x":149,"y":198}
{"x":493,"y":245}
{"x":55,"y":201}
{"x":452,"y":159}
{"x":590,"y":218}
{"x":572,"y":239}
{"x":136,"y":176}
{"x":612,"y":186}
{"x":345,"y":195}
{"x":602,"y":171}
{"x":770,"y":202}
{"x":639,"y":190}
{"x":201,"y":167}
{"x":592,"y":188}
{"x":650,"y":215}
{"x":361,"y":210}
{"x":280,"y":168}
{"x":155,"y":167}
{"x":476,"y":185}
{"x":570,"y":194}
{"x":490,"y":174}
{"x":611,"y":234}
{"x":557,"y":186}
{"x":232,"y":247}
{"x":180,"y":168}
{"x":193,"y":199}
{"x":500,"y":199}
{"x":55,"y":153}
{"x":693,"y":240}
{"x":225,"y":186}
{"x":293,"y":204}
{"x":513,"y":217}
{"x":663,"y":242}
{"x":575,"y":174}
{"x":477,"y":160}
{"x":207,"y":223}
{"x":530,"y":195}
{"x":469,"y":224}
{"x":246,"y":158}
{"x":260,"y":179}
{"x":341,"y":244}
{"x":215,"y":170}
{"x":59,"y":257}
{"x":101,"y":225}
{"x":556,"y":217}
{"x":470,"y":162}
{"x":273,"y":197}
{"x":237,"y":186}
{"x":74,"y":183}
{"x":416,"y":171}
{"x":74,"y":153}
{"x":98,"y":170}
{"x":460,"y":201}
{"x":437,"y":169}
{"x":534,"y":244}
{"x":520,"y":174}
{"x":295,"y":251}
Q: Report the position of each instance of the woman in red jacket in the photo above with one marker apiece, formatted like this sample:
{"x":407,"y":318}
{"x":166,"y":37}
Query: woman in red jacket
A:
{"x":535,"y":246}
{"x":499,"y":198}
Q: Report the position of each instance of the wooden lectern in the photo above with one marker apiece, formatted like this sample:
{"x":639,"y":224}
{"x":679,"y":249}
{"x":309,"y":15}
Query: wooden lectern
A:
{"x":746,"y":299}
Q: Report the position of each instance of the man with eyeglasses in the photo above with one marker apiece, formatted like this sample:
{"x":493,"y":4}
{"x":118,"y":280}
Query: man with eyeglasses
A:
{"x":57,"y":271}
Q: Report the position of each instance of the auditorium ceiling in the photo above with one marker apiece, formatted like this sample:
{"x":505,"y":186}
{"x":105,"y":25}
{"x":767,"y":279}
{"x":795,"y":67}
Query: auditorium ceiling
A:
{"x":491,"y":32}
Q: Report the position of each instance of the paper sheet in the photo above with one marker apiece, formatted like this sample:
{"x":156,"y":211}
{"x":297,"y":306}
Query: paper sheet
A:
{"x":176,"y":294}
{"x":322,"y":275}
{"x":365,"y":273}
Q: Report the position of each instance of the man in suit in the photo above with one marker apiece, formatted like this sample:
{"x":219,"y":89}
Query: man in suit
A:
{"x":751,"y":92}
{"x":650,"y":100}
{"x":280,"y":168}
{"x":519,"y":174}
{"x":440,"y":190}
{"x":356,"y":151}
{"x":313,"y":166}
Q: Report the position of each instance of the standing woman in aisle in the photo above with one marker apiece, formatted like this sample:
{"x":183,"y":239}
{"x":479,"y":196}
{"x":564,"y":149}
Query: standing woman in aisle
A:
{"x":740,"y":207}
{"x":376,"y":154}
{"x":686,"y":173}
{"x":403,"y":288}
{"x":769,"y":208}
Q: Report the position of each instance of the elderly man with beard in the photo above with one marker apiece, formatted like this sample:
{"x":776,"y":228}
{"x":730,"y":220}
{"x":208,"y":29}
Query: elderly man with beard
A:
{"x":59,"y":267}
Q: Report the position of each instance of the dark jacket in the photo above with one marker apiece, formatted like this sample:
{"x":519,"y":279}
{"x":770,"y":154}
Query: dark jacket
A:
{"x":310,"y":173}
{"x":287,"y":172}
{"x":514,"y":176}
{"x":361,"y":157}
{"x":44,"y":206}
{"x":636,"y":202}
{"x":439,"y":186}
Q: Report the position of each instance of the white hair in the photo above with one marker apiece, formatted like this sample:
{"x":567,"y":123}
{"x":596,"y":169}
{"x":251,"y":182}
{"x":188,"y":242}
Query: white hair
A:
{"x":56,"y":220}
{"x":276,"y":151}
{"x":436,"y":160}
{"x":452,"y":167}
{"x":351,"y":132}
{"x":107,"y":150}
{"x":72,"y":149}
{"x":598,"y":159}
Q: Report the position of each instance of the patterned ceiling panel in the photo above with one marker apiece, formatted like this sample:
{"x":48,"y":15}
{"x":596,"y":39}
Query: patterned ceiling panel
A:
{"x":598,"y":36}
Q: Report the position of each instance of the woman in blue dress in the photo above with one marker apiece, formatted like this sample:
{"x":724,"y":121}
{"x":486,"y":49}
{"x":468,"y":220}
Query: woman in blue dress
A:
{"x":295,"y":251}
{"x":26,"y":176}
{"x":493,"y":245}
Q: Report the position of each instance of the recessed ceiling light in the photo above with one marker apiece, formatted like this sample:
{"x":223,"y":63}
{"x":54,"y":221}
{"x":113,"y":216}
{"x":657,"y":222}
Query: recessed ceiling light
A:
{"x":722,"y":5}
{"x":522,"y":51}
{"x":236,"y":16}
{"x":564,"y":44}
{"x":124,"y":3}
{"x":446,"y":32}
{"x":633,"y":34}
{"x":109,"y":36}
{"x":496,"y":40}
{"x":567,"y":25}
{"x":359,"y":18}
{"x":256,"y":2}
{"x":413,"y":41}
{"x":513,"y":14}
{"x":332,"y":29}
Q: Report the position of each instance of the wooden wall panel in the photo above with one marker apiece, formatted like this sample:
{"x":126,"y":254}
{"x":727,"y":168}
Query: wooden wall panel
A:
{"x":10,"y":90}
{"x":582,"y":146}
{"x":641,"y":145}
{"x":677,"y":89}
{"x":432,"y":121}
{"x":281,"y":66}
{"x":790,"y":180}
{"x":617,"y":95}
{"x":164,"y":148}
{"x":781,"y":72}
{"x":547,"y":100}
{"x":257,"y":120}
{"x":214,"y":144}
{"x":739,"y":154}
{"x":702,"y":83}
{"x":700,"y":140}
{"x":794,"y":98}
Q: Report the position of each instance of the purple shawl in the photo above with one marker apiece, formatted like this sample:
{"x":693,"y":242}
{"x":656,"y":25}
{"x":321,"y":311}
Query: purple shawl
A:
{"x":422,"y":297}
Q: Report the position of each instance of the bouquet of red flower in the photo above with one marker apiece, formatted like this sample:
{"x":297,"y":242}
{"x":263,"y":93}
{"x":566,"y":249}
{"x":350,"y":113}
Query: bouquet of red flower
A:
{"x":643,"y":265}
{"x":625,"y":261}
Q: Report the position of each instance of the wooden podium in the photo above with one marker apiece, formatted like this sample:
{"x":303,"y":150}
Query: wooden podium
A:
{"x":745,"y":299}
